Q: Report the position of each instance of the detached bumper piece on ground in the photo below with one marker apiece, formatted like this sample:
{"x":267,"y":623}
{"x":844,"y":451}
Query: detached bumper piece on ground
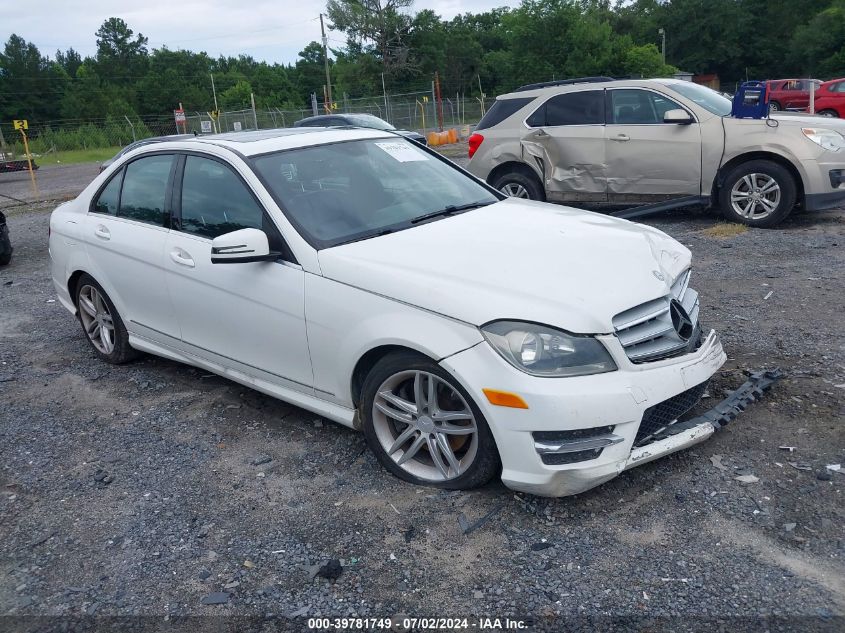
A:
{"x":585,"y":458}
{"x":679,"y":435}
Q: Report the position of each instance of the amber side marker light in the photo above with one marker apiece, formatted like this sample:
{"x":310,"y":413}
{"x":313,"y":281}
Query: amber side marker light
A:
{"x":505,"y":399}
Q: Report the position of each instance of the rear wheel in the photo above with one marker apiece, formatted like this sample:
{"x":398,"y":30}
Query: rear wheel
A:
{"x":774,"y":106}
{"x":517,"y":184}
{"x":424,"y":427}
{"x":828,"y":113}
{"x":758,"y":193}
{"x":101,"y":323}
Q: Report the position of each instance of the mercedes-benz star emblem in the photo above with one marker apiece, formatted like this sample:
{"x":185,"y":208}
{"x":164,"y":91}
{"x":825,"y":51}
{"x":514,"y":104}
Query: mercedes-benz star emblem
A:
{"x":681,"y":321}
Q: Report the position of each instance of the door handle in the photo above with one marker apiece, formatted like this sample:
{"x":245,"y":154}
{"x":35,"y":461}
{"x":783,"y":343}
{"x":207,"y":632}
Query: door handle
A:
{"x":102,"y":232}
{"x":182,"y":258}
{"x":620,"y":138}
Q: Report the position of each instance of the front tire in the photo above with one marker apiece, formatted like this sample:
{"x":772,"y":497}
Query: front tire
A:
{"x":101,"y":323}
{"x":424,"y":427}
{"x":774,"y":106}
{"x":758,"y":193}
{"x":516,"y":184}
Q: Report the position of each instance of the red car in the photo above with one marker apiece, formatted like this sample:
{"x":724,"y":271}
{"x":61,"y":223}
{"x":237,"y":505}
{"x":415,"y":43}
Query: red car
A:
{"x":830,"y":98}
{"x":790,"y":94}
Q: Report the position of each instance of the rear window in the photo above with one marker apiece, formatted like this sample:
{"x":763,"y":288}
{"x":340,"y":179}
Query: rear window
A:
{"x":501,"y":110}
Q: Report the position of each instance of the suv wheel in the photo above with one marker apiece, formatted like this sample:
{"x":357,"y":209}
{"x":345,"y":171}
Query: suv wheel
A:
{"x":516,"y":184}
{"x":101,"y":323}
{"x":424,"y":427}
{"x":774,"y":106}
{"x":758,"y":193}
{"x":828,"y":113}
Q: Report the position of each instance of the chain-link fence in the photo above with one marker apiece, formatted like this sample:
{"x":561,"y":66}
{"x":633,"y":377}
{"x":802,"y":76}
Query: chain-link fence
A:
{"x":59,"y":136}
{"x":416,"y":111}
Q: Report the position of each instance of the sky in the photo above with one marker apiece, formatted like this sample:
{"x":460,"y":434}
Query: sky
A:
{"x":269,"y":30}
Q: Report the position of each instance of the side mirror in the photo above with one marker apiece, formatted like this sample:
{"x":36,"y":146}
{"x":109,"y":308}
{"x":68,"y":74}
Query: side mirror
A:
{"x":241,"y":247}
{"x":677,"y":116}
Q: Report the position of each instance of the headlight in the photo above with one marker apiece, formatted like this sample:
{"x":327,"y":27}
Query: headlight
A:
{"x":831,"y":140}
{"x":540,"y":350}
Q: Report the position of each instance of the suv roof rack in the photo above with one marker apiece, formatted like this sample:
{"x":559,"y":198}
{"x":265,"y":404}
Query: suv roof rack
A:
{"x":564,"y":82}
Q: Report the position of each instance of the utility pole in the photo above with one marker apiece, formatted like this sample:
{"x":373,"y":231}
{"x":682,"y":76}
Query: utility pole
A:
{"x":254,"y":115}
{"x":439,"y":100}
{"x":326,"y":58}
{"x":213,"y":91}
{"x":384,"y":92}
{"x":662,"y":33}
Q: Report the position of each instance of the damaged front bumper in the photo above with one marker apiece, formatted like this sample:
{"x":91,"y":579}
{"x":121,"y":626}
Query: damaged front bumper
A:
{"x":583,"y":431}
{"x":680,"y":435}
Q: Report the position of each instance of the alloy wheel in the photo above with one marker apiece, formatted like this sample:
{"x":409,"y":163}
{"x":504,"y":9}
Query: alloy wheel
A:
{"x":425,"y":426}
{"x":96,"y":319}
{"x":514,"y":190}
{"x":755,"y":196}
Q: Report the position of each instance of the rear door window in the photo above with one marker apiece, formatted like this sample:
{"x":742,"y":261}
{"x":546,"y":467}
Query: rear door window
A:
{"x":144,"y":190}
{"x":573,"y":108}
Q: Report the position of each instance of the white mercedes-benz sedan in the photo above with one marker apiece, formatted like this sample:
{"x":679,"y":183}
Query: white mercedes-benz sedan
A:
{"x":367,"y":279}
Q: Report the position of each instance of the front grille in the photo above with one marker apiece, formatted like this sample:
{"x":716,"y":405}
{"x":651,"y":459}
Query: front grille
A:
{"x":664,"y":414}
{"x":647,"y":333}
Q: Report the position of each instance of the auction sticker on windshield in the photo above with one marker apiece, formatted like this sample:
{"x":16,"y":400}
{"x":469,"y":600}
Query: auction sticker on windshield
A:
{"x":403,"y":152}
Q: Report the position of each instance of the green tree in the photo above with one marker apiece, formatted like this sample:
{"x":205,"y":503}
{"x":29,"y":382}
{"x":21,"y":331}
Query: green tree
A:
{"x":646,"y":61}
{"x":818,"y":48}
{"x":237,"y":97}
{"x":383,"y":24}
{"x":29,"y":83}
{"x":121,"y":55}
{"x":311,"y":76}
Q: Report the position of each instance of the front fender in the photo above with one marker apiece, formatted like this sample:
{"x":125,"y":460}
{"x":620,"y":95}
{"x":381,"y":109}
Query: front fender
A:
{"x":344,"y":323}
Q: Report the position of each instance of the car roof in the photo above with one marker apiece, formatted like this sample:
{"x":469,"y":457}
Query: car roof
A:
{"x":254,"y":142}
{"x":319,"y":117}
{"x":590,"y":85}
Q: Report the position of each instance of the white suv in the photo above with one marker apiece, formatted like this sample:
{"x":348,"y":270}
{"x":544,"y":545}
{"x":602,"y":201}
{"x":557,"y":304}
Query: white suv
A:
{"x":639,"y":141}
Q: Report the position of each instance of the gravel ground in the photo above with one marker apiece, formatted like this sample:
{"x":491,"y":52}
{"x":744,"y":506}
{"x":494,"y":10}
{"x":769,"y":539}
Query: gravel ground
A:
{"x":153,"y":488}
{"x":55,"y":182}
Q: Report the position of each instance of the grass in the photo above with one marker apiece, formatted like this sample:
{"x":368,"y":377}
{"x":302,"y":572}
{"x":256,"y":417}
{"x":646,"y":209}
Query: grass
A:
{"x":725,"y":229}
{"x":72,"y":156}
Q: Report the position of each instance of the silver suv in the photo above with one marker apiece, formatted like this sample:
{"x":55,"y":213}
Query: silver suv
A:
{"x":645,"y":141}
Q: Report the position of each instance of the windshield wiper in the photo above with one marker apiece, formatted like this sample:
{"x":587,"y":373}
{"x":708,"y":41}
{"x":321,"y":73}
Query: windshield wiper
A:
{"x":449,"y":210}
{"x":366,"y":236}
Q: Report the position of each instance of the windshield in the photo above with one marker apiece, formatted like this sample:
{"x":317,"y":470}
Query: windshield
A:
{"x":368,"y":120}
{"x":353,"y":190}
{"x":708,"y":99}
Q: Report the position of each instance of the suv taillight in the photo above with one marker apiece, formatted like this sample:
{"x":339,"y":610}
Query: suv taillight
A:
{"x":474,"y":142}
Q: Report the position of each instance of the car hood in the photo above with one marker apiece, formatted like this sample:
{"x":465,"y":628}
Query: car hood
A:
{"x":516,"y":259}
{"x":807,"y":120}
